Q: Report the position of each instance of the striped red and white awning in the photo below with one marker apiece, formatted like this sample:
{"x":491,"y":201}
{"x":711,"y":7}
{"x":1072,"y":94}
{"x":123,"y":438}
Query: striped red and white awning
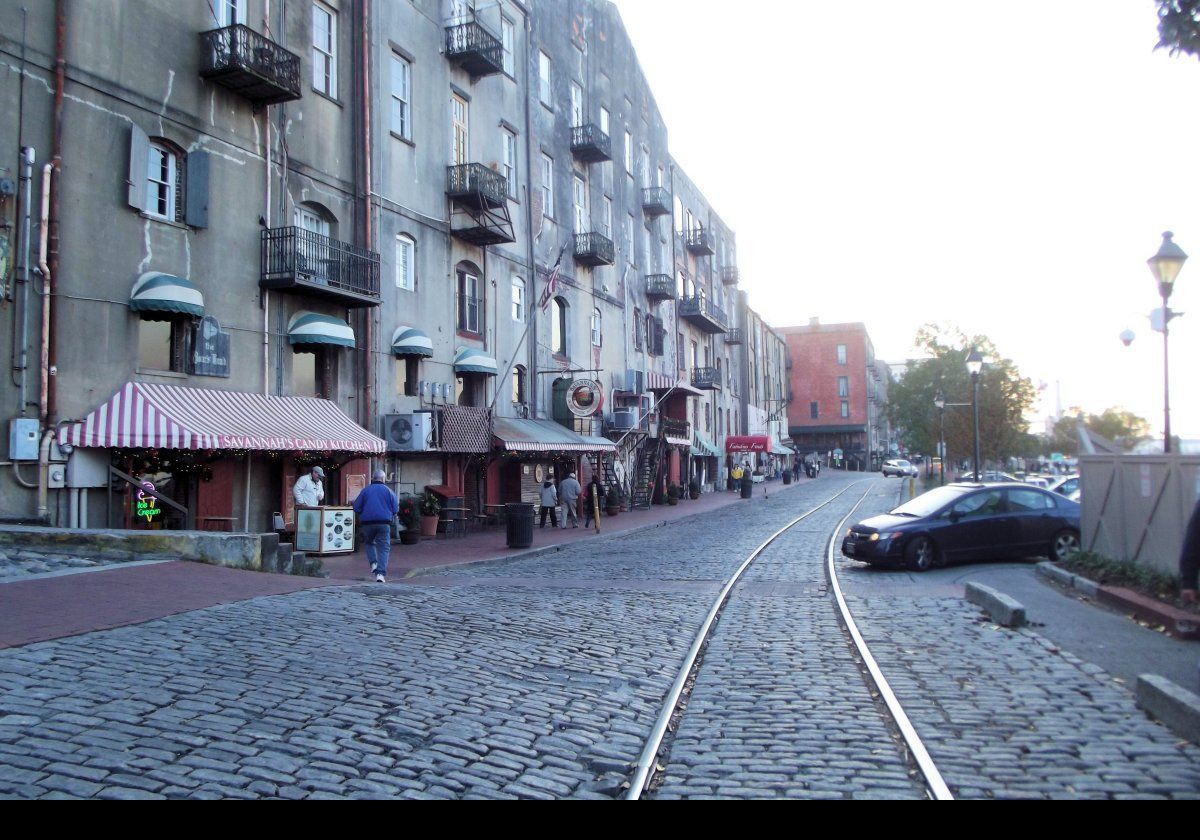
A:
{"x":144,"y":415}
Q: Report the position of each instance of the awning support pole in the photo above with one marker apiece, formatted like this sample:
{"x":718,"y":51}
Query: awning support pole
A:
{"x":246,"y":509}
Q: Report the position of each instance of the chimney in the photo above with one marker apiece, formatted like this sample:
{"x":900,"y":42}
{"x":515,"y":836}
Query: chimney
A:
{"x":814,"y":321}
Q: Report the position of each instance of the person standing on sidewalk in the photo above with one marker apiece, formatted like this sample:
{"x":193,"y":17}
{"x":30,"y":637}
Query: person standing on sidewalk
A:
{"x":308,"y":490}
{"x":593,"y":501}
{"x":376,"y":506}
{"x":570,"y":492}
{"x":1189,"y":558}
{"x":549,"y":502}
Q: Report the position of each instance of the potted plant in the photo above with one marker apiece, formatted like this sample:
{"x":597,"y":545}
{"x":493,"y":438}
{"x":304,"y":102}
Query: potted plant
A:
{"x":672,"y":494}
{"x":612,"y":502}
{"x":694,"y":489}
{"x":430,"y":508}
{"x":410,"y":521}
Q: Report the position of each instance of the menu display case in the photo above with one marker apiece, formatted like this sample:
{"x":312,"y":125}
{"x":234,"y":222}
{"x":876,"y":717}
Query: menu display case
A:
{"x":325,"y":530}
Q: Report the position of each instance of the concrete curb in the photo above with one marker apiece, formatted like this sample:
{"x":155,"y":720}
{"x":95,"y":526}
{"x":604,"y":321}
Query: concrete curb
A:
{"x":1176,"y":708}
{"x":1178,"y":623}
{"x":1004,"y":610}
{"x":1068,"y":579}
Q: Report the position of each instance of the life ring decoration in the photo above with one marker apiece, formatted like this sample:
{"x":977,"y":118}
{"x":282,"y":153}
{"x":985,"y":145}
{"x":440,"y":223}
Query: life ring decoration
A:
{"x":585,"y":397}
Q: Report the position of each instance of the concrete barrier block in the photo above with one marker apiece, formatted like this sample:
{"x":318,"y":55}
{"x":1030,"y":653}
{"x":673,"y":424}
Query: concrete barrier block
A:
{"x":1171,"y":705}
{"x":1056,"y":574}
{"x":1002,"y":609}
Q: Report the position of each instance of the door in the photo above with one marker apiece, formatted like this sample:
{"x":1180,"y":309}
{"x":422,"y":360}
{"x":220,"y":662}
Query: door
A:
{"x":977,"y":526}
{"x":576,"y":105}
{"x":214,"y":498}
{"x":581,"y":213}
{"x":460,"y":130}
{"x":1037,"y":519}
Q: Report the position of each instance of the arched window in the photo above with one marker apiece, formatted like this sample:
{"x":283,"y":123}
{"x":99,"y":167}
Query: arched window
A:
{"x":596,"y":325}
{"x":406,"y":273}
{"x":558,"y":327}
{"x":518,"y":385}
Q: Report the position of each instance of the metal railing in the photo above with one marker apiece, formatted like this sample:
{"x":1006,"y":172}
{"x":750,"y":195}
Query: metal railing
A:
{"x":733,"y":335}
{"x":480,"y":52}
{"x":660,"y":286}
{"x":295,"y":254}
{"x":702,"y":307}
{"x":729,"y":275}
{"x":706,"y":378}
{"x":656,"y":201}
{"x":474,"y":181}
{"x":590,"y":143}
{"x":235,"y":51}
{"x":698,"y":240}
{"x":594,"y":248}
{"x":670,"y":427}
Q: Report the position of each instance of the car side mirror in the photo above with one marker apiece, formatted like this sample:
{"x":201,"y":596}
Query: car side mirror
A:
{"x":955,"y":516}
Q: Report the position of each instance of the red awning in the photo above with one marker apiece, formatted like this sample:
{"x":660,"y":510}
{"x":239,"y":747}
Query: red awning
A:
{"x":747,"y":443}
{"x":143,"y":415}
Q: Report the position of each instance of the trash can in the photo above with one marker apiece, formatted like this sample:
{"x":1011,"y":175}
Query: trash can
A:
{"x":747,"y":485}
{"x":787,"y":476}
{"x":519,"y":516}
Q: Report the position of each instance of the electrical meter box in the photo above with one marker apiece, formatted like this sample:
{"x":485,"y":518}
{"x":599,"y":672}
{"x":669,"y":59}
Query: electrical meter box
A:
{"x":23,"y":439}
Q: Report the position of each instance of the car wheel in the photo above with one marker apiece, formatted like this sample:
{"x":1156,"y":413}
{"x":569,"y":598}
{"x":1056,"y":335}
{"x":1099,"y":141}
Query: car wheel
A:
{"x":1064,"y":545}
{"x":921,"y":554}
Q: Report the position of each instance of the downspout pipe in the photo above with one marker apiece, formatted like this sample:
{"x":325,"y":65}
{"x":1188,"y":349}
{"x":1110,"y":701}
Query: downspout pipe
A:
{"x":44,"y":392}
{"x":50,"y":316}
{"x":367,"y":409}
{"x":21,"y":363}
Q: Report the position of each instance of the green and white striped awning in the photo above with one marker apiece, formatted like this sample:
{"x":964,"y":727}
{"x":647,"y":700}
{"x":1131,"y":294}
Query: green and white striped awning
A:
{"x":314,"y":328}
{"x":702,"y":447}
{"x":155,"y":292}
{"x":410,"y":341}
{"x":470,"y":360}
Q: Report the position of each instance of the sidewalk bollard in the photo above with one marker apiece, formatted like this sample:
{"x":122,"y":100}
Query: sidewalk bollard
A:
{"x":747,"y":485}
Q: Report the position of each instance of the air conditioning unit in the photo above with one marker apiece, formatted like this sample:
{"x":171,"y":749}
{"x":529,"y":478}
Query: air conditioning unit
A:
{"x":408,"y":432}
{"x":635,"y":381}
{"x":625,"y":418}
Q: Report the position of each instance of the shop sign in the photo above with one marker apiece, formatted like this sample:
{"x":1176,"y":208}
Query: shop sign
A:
{"x":585,"y":397}
{"x":145,"y":505}
{"x":210,"y":353}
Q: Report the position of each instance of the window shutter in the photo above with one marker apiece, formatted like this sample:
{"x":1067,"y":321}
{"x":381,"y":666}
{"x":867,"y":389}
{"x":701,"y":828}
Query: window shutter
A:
{"x":196,"y":200}
{"x":139,"y":164}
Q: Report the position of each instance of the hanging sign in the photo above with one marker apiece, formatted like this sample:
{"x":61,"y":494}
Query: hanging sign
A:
{"x":585,"y":397}
{"x":146,"y":506}
{"x":210,"y":354}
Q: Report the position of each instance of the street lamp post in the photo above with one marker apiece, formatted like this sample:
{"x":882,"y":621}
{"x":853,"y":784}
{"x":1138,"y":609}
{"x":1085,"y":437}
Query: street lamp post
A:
{"x":939,"y":400}
{"x":1165,"y":266}
{"x":975,"y":365}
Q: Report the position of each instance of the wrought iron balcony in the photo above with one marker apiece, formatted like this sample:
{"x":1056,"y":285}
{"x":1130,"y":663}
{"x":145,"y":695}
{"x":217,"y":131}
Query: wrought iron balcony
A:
{"x":703,"y":314}
{"x":593,"y":249}
{"x":660,"y":287}
{"x":706,"y":378}
{"x":474,"y":49}
{"x":733,"y":335}
{"x":669,"y":427}
{"x":252,"y":65}
{"x":699,"y":242}
{"x":295,"y":259}
{"x":656,"y":201}
{"x":590,"y":144}
{"x":477,"y":186}
{"x":729,"y":275}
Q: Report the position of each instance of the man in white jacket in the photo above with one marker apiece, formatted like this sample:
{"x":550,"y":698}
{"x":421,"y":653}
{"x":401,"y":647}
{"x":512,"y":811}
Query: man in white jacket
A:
{"x":309,"y":490}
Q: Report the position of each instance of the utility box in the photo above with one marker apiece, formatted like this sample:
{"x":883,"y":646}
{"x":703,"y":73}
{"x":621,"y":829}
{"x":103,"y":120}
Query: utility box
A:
{"x":23,"y":439}
{"x":88,"y":468}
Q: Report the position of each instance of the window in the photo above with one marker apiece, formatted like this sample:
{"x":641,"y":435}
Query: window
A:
{"x":408,"y":375}
{"x":230,"y":12}
{"x":460,"y":139}
{"x":324,"y":50}
{"x":518,"y":385}
{"x":814,"y":410}
{"x":680,"y":284}
{"x":695,"y":355}
{"x":548,"y":186}
{"x":312,"y":373}
{"x":581,"y":212}
{"x":707,"y":417}
{"x":509,"y":140}
{"x":401,"y":96}
{"x":678,"y":215}
{"x":162,"y":182}
{"x":845,"y":408}
{"x":576,"y":104}
{"x":162,"y":345}
{"x":470,"y":301}
{"x":596,"y":327}
{"x":558,"y":327}
{"x":843,"y":386}
{"x":629,"y":255}
{"x":841,"y":354}
{"x":644,"y":166}
{"x":628,"y":152}
{"x":637,"y":328}
{"x":405,"y":273}
{"x":606,"y":217}
{"x":604,"y":120}
{"x":544,"y":80}
{"x":508,"y":40}
{"x":518,"y":300}
{"x":679,"y":359}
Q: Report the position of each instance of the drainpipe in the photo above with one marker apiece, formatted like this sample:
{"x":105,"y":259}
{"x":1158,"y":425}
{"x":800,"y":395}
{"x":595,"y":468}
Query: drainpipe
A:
{"x":50,"y":314}
{"x":367,"y":409}
{"x":531,"y":298}
{"x":44,"y":391}
{"x":266,"y":293}
{"x":21,"y":362}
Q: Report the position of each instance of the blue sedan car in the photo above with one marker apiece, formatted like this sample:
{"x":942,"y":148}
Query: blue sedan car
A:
{"x":968,"y":522}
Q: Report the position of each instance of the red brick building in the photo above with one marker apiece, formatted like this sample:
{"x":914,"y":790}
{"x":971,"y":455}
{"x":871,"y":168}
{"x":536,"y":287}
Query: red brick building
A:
{"x":838,"y":394}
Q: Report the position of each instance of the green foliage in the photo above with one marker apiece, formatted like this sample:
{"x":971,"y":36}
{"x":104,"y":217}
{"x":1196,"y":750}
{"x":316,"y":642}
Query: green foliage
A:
{"x":409,"y":513}
{"x":1179,"y":26}
{"x":1004,"y":398}
{"x":1110,"y":572}
{"x":1122,"y":427}
{"x":430,"y":506}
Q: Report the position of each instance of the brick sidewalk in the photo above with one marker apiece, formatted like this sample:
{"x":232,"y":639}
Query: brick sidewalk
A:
{"x":68,"y":605}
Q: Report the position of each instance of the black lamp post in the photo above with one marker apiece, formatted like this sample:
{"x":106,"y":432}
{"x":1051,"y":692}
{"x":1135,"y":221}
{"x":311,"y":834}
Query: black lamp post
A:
{"x":1165,"y":266}
{"x":939,"y":400}
{"x":975,"y":365}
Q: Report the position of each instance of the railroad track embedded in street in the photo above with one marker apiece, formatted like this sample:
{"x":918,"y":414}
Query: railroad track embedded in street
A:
{"x":676,"y":699}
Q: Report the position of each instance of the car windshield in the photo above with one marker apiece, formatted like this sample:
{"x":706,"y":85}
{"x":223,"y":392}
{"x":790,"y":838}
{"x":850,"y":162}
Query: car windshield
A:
{"x":931,"y":502}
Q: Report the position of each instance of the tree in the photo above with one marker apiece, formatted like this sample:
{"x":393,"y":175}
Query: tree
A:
{"x":1004,"y":398}
{"x":1179,"y":26}
{"x":1122,"y":427}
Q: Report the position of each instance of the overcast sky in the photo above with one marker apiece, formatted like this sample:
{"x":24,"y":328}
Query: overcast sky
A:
{"x":1008,"y":167}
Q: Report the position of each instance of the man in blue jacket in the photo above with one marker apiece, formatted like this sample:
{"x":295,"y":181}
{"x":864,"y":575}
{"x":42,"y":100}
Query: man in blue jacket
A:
{"x":376,"y":506}
{"x":1189,"y":558}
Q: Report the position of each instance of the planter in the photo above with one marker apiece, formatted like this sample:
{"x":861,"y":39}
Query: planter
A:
{"x":429,"y":526}
{"x":672,"y":501}
{"x":612,"y":511}
{"x":694,"y":494}
{"x":410,"y":536}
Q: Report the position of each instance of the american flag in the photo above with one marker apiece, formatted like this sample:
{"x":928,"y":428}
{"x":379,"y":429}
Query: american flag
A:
{"x":551,"y":282}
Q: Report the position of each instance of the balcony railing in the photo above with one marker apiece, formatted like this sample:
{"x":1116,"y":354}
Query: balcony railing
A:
{"x":729,"y":275}
{"x":252,"y":65}
{"x":474,"y":49}
{"x":706,"y":378}
{"x":476,"y":185}
{"x":656,"y":201}
{"x":594,"y":249}
{"x":590,"y":144}
{"x":300,"y":260}
{"x":733,"y":335}
{"x":678,"y":429}
{"x":704,"y":314}
{"x":699,"y":242}
{"x":660,"y":287}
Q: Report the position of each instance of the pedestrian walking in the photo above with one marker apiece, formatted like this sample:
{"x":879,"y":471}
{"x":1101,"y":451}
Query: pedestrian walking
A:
{"x":549,"y":501}
{"x":375,"y":507}
{"x":570,"y":491}
{"x":1189,"y":558}
{"x":309,"y":490}
{"x":593,"y":501}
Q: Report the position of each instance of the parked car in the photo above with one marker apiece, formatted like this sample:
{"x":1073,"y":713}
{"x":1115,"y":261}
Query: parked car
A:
{"x":1065,"y":485}
{"x":968,"y":522}
{"x":991,"y":475}
{"x":898,"y":467}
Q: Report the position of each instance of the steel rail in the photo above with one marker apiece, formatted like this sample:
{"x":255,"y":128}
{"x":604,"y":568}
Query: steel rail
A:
{"x":933,"y":778}
{"x":649,"y":756}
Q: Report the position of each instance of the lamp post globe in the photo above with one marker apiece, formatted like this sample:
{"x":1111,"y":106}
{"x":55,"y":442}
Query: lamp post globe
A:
{"x":1165,"y":265}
